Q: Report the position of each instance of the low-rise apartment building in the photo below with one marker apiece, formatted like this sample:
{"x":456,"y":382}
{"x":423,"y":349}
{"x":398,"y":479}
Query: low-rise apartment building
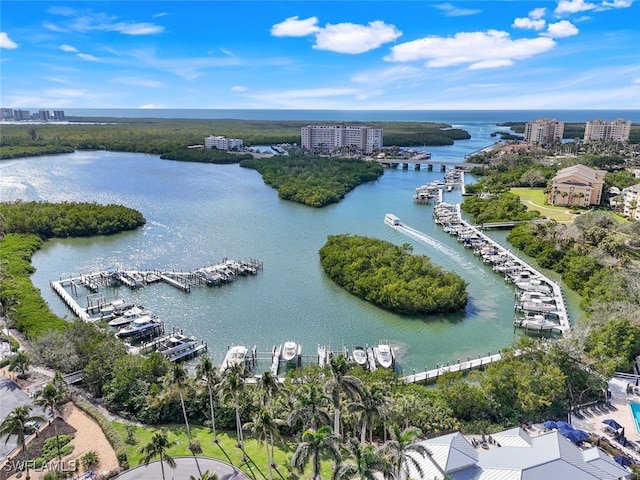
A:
{"x":223,"y":143}
{"x":577,"y":185}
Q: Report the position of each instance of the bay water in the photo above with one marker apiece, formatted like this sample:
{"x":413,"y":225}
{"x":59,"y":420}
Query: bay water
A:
{"x":198,"y":214}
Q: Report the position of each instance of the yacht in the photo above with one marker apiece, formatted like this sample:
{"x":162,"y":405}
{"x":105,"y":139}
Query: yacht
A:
{"x":128,"y":316}
{"x":115,"y":308}
{"x":178,"y":346}
{"x":384,"y":355}
{"x":141,"y":326}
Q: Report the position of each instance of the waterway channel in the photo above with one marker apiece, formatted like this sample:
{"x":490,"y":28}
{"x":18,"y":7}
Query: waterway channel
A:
{"x":198,"y":214}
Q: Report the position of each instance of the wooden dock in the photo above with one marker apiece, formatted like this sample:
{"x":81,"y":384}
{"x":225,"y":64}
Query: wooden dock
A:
{"x":433,"y":374}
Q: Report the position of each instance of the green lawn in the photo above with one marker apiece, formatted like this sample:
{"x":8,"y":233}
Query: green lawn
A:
{"x":256,"y":451}
{"x":534,"y":199}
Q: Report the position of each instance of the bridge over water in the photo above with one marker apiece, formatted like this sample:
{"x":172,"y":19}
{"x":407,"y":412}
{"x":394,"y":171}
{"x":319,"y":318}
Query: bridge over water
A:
{"x":425,"y":160}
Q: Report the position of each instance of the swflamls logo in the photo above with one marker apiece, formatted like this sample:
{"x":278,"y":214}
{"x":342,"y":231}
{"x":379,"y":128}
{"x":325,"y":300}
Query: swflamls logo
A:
{"x":32,"y":465}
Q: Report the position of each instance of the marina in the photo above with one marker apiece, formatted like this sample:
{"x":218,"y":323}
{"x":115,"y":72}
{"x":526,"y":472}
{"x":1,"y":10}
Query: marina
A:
{"x":292,"y":298}
{"x":541,"y":300}
{"x":174,"y":347}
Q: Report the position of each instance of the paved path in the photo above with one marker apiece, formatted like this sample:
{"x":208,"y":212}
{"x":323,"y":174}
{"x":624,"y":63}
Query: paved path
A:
{"x":185,"y":467}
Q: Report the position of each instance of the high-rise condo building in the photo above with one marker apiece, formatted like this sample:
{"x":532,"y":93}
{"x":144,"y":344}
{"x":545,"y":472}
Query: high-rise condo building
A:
{"x":600,"y":131}
{"x":332,"y":137}
{"x":544,"y":131}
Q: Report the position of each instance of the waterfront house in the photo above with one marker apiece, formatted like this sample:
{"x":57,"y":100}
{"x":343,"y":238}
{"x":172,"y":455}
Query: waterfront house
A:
{"x":577,"y":185}
{"x":512,"y":454}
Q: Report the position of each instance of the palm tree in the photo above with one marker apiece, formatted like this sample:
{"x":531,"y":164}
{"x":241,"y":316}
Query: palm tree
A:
{"x":340,"y":383}
{"x":207,"y":371}
{"x":49,"y":398}
{"x":157,"y":447}
{"x":20,"y":362}
{"x":368,"y":462}
{"x":16,"y":424}
{"x":401,"y":445}
{"x":270,"y":386}
{"x":314,"y":444}
{"x":265,"y":428}
{"x":178,"y":377}
{"x":372,"y":407}
{"x":310,"y":409}
{"x":232,"y":385}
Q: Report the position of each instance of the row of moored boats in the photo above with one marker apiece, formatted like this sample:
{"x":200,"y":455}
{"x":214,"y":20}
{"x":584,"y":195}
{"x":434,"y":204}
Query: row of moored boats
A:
{"x":536,"y":303}
{"x":289,"y":354}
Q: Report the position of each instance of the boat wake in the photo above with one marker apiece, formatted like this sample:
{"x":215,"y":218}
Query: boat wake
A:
{"x":432,"y":242}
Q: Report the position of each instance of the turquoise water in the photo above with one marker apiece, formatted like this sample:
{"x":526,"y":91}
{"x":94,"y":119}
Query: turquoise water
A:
{"x":198,"y":214}
{"x":635,"y":411}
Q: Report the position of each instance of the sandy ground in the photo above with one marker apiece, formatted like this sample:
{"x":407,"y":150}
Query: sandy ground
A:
{"x":89,"y":437}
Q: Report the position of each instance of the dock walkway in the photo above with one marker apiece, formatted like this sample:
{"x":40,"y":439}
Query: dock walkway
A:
{"x":435,"y":373}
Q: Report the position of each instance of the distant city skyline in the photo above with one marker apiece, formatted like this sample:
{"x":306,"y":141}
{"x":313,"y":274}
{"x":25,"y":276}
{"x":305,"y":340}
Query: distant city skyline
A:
{"x":338,"y":55}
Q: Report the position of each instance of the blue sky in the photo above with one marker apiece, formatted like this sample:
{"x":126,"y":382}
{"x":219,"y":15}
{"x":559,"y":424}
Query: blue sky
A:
{"x":565,"y":54}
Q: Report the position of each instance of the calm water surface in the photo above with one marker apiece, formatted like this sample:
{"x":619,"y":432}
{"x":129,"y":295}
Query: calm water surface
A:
{"x":198,"y":214}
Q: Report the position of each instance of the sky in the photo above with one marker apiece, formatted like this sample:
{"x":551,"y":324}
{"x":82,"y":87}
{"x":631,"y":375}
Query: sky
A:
{"x":336,"y":55}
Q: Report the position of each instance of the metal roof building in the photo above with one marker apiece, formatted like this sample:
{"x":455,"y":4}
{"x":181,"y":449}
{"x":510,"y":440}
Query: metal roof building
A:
{"x":513,"y":455}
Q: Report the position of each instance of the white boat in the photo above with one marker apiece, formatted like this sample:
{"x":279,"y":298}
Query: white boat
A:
{"x":290,"y":351}
{"x":360,"y":356}
{"x":536,"y":323}
{"x":178,"y":346}
{"x":534,"y":285}
{"x":536,"y":305}
{"x":140,"y":326}
{"x":114,"y":308}
{"x":384,"y":355}
{"x":128,"y":316}
{"x":236,"y":355}
{"x":391,"y":220}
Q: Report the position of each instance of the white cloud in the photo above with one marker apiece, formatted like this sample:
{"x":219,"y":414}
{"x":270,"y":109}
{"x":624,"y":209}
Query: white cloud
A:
{"x":294,"y":27}
{"x":136,"y":28}
{"x":92,"y":22}
{"x":573,"y":6}
{"x":529,"y":24}
{"x":152,"y":106}
{"x":352,"y":38}
{"x":68,"y":48}
{"x":87,"y":56}
{"x":239,"y":88}
{"x":348,"y":38}
{"x":561,"y":29}
{"x":636,"y":81}
{"x":533,"y":21}
{"x":486,"y":64}
{"x":537,"y":13}
{"x":617,"y":4}
{"x":490,"y":49}
{"x":395,"y":74}
{"x":138,"y":82}
{"x":6,"y":42}
{"x":453,"y":11}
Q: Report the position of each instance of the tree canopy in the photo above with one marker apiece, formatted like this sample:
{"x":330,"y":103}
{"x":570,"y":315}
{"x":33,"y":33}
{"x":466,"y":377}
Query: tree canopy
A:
{"x":390,"y":276}
{"x":314,"y":181}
